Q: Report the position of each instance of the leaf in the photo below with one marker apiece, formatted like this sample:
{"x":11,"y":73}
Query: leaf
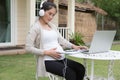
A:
{"x":76,"y":39}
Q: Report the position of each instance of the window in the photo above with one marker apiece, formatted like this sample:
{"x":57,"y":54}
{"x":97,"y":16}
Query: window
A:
{"x":5,"y":21}
{"x":37,"y":7}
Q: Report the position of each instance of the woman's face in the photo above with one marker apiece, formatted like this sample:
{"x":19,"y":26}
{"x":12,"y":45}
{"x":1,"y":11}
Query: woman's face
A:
{"x":49,"y":14}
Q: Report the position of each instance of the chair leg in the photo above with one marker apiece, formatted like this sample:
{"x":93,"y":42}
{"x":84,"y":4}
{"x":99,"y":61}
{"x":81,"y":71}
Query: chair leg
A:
{"x":36,"y":77}
{"x":55,"y":77}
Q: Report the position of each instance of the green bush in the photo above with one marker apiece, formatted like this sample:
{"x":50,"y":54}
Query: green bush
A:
{"x":76,"y":38}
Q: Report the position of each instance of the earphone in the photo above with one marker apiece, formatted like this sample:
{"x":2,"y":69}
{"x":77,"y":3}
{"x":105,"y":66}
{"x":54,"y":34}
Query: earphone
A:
{"x":42,"y":12}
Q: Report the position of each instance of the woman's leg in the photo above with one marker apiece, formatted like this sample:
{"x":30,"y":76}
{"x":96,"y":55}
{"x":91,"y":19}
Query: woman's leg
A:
{"x":78,"y":68}
{"x":72,"y":70}
{"x":58,"y":68}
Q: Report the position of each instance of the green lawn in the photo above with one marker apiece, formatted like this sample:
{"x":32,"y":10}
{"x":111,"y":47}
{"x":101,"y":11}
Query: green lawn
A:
{"x":22,"y":67}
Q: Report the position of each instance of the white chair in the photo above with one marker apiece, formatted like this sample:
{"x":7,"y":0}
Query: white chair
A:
{"x":55,"y":77}
{"x":50,"y":75}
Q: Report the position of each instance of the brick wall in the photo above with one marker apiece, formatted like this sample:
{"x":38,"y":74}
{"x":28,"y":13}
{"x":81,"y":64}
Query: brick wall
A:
{"x":85,"y":23}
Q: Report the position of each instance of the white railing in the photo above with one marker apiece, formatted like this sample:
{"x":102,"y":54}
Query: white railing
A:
{"x":64,"y":32}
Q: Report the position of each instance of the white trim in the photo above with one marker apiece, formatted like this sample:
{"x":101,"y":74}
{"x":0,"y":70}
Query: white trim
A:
{"x":13,"y":22}
{"x":13,"y":25}
{"x":30,"y":13}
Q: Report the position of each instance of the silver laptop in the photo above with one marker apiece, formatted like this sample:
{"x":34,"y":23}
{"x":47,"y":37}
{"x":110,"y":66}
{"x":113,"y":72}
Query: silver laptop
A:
{"x":101,"y":42}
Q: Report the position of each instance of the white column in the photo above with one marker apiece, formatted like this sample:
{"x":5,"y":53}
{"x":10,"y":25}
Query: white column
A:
{"x":71,"y":15}
{"x":30,"y":12}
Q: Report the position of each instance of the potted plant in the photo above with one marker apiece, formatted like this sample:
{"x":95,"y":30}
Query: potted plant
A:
{"x":76,"y":38}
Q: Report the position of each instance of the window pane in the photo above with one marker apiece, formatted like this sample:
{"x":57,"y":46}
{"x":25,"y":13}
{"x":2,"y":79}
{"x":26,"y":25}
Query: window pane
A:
{"x":5,"y":26}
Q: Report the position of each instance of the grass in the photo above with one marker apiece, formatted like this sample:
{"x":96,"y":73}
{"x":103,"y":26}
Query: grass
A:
{"x":17,"y":67}
{"x":22,"y":67}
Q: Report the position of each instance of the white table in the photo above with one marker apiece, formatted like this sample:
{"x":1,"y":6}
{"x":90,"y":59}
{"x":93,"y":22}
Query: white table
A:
{"x":111,"y":56}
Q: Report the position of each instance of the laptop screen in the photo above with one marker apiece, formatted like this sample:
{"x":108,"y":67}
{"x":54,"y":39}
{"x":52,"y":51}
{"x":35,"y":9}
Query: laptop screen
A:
{"x":102,"y":41}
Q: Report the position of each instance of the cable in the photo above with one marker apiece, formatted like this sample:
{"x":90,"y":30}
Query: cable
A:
{"x":65,"y":67}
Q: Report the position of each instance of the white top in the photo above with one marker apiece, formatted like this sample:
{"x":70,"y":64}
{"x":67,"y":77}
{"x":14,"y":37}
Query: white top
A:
{"x":50,"y":40}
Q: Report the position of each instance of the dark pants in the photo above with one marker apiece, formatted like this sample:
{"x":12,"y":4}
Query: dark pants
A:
{"x":73,"y":70}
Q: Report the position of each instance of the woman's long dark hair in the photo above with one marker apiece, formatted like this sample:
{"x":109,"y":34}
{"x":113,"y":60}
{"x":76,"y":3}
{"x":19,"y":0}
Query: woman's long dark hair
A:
{"x":48,"y":5}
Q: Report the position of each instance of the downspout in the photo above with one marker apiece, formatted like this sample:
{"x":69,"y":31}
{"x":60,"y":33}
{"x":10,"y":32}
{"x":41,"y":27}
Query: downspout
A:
{"x":102,"y":22}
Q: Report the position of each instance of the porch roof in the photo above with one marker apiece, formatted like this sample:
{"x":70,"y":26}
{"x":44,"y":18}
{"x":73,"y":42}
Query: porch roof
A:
{"x":84,"y":7}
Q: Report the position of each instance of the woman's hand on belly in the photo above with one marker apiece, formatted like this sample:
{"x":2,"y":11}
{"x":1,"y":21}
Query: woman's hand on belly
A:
{"x":52,"y":52}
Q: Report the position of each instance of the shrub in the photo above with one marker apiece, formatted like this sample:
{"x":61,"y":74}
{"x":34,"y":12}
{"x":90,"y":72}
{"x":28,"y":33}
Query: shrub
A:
{"x":76,"y":38}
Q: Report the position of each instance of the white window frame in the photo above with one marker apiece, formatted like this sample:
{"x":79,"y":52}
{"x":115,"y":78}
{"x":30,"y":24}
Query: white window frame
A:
{"x":13,"y":25}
